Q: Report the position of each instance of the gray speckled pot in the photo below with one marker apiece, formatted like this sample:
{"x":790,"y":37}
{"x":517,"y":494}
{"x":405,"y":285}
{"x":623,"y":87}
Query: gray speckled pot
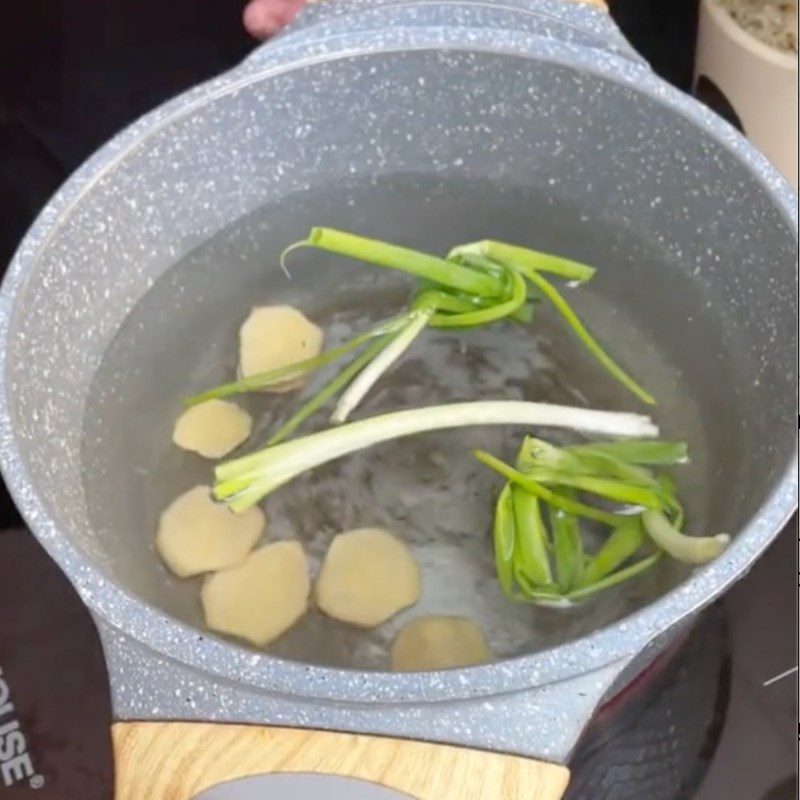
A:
{"x":408,"y":89}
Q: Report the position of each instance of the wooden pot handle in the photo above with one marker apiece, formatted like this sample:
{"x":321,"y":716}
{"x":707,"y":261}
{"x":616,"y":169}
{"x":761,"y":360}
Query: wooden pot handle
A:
{"x":178,"y":760}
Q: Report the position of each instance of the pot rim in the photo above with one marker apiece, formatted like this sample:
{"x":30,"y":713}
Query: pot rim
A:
{"x":192,"y":646}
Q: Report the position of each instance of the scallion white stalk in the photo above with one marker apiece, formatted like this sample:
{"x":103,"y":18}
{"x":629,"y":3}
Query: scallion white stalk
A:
{"x":369,"y":376}
{"x":689,"y":549}
{"x":244,"y":481}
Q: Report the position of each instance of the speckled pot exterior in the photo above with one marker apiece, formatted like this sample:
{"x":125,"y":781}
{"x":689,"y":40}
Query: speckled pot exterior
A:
{"x":162,"y":668}
{"x":582,"y":25}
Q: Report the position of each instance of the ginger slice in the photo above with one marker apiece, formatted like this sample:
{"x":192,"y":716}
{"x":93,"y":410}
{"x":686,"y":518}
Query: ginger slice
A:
{"x":212,"y":429}
{"x":368,"y":575}
{"x":196,"y":534}
{"x":430,"y":643}
{"x":277,"y":336}
{"x":262,"y":597}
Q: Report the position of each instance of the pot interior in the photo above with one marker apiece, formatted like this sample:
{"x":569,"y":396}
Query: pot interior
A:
{"x":135,"y":300}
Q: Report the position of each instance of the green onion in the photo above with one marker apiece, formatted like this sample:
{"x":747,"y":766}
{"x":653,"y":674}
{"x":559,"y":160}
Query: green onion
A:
{"x":596,"y":461}
{"x":591,"y":344}
{"x":523,"y":314}
{"x":262,"y":380}
{"x":502,"y":253}
{"x":444,"y":301}
{"x":553,"y":498}
{"x":587,"y":460}
{"x":534,"y":453}
{"x":618,"y":491}
{"x":689,"y":549}
{"x":504,"y":541}
{"x":550,"y":596}
{"x":554,"y":476}
{"x":244,"y":481}
{"x":530,"y":537}
{"x":588,"y":467}
{"x":331,"y":389}
{"x":538,"y":593}
{"x":282,"y":374}
{"x":461,"y":304}
{"x":487,"y":315}
{"x":624,"y":542}
{"x":674,"y":506}
{"x":478,"y":262}
{"x":567,"y":548}
{"x":413,"y":262}
{"x":453,"y":296}
{"x":615,"y":578}
{"x":380,"y":364}
{"x":530,"y":263}
{"x":645,"y":453}
{"x":478,"y":284}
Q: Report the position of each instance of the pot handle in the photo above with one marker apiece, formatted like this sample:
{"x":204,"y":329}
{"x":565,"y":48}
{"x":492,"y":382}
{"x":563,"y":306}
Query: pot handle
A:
{"x":179,"y":760}
{"x":597,"y":3}
{"x":596,"y":24}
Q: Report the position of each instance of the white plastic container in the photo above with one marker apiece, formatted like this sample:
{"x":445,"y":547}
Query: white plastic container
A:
{"x":759,"y":82}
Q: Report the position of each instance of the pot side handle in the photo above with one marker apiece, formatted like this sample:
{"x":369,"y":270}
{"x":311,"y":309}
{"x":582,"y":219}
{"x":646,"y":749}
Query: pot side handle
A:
{"x":598,"y":3}
{"x":178,"y":760}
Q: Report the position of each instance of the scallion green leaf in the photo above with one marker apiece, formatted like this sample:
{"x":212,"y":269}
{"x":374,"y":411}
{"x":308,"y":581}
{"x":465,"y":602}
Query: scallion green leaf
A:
{"x":567,"y":547}
{"x":624,"y":542}
{"x":487,"y":315}
{"x":614,"y":490}
{"x":543,"y":493}
{"x":504,"y":541}
{"x":643,"y":452}
{"x":615,"y":578}
{"x":591,"y":344}
{"x":530,"y":555}
{"x":263,"y":380}
{"x":413,"y":262}
{"x":331,"y":389}
{"x":503,"y":253}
